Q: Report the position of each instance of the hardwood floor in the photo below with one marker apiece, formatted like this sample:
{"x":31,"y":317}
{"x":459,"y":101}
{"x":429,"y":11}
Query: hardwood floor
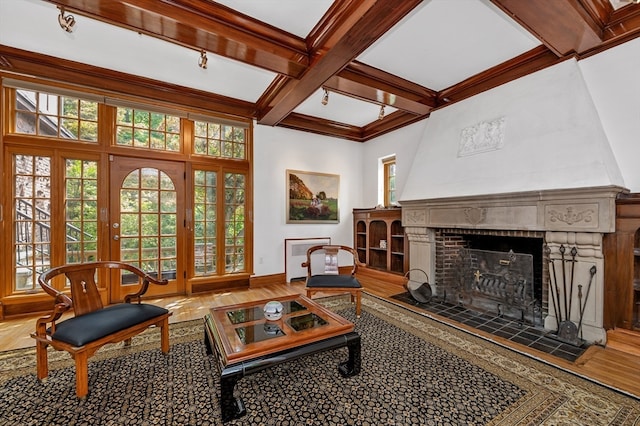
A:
{"x":617,"y":366}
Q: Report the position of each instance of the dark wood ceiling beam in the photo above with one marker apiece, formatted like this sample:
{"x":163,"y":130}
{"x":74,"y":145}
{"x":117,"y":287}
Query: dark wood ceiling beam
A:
{"x":390,"y":123}
{"x":377,"y":128}
{"x":527,"y":63}
{"x":348,"y":37}
{"x":306,"y":123}
{"x":55,"y":69}
{"x":202,"y":25}
{"x":365,"y":92}
{"x":564,"y":26}
{"x":364,"y":82}
{"x":624,"y":25}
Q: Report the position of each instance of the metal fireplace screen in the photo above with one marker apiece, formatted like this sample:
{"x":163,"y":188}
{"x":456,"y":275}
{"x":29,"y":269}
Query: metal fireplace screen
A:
{"x":500,"y":282}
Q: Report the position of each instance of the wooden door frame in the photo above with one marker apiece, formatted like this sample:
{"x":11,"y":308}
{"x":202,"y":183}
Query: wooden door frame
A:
{"x":119,"y":167}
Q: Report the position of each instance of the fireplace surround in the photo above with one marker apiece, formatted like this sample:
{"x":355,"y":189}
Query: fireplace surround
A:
{"x":562,"y":217}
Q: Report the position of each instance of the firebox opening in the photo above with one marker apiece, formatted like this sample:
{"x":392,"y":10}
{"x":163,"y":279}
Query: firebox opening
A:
{"x":499,"y":271}
{"x":525,"y":245}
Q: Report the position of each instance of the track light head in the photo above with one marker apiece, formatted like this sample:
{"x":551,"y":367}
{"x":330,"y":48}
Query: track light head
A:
{"x":381,"y":114}
{"x":325,"y":97}
{"x":202,"y":62}
{"x":66,"y":22}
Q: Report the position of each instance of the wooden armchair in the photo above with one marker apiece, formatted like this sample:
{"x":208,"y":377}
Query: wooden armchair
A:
{"x":93,"y":325}
{"x":323,"y":273}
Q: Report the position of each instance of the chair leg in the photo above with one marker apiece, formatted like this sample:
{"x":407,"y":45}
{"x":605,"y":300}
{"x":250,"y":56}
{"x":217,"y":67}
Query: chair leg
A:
{"x":358,"y":303}
{"x":42,"y":361}
{"x":82,"y":374}
{"x":164,"y":335}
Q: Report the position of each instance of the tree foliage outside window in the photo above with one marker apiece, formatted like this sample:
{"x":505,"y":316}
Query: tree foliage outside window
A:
{"x":389,"y":181}
{"x":81,"y":210}
{"x":146,"y":129}
{"x":234,"y":220}
{"x":219,"y":140}
{"x":205,"y":222}
{"x":148,"y":227}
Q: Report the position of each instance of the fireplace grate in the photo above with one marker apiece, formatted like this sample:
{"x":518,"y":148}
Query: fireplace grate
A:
{"x":494,"y":281}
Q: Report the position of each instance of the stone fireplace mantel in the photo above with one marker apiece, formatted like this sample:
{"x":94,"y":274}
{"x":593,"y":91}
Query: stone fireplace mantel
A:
{"x":567,"y":217}
{"x":572,"y":210}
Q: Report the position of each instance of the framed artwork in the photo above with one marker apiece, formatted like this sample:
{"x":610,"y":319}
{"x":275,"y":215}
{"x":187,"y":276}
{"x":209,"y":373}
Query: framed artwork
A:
{"x":312,"y":197}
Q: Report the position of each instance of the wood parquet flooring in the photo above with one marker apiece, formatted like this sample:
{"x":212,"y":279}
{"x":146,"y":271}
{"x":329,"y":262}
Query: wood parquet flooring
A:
{"x":615,"y":368}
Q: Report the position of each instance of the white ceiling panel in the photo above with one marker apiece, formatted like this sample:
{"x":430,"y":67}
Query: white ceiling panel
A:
{"x":99,"y":44}
{"x":341,"y":109}
{"x":443,"y":42}
{"x":297,"y":17}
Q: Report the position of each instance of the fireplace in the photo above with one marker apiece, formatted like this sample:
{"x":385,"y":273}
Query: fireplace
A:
{"x":541,"y":224}
{"x":499,"y":272}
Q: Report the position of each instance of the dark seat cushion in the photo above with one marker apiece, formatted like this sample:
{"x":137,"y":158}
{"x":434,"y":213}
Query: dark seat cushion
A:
{"x":86,"y":328}
{"x":333,"y":281}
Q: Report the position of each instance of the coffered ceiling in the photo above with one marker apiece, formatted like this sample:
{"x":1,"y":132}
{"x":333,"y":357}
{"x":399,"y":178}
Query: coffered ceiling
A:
{"x":272,"y":59}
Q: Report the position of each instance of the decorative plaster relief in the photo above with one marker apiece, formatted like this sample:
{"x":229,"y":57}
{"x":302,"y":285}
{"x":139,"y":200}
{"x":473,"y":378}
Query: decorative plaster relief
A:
{"x":475,"y":215}
{"x":482,"y":137}
{"x":583,"y":215}
{"x":414,"y":217}
{"x":496,"y":217}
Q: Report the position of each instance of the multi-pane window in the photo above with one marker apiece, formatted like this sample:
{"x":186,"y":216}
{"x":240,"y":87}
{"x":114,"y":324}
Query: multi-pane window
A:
{"x":205,"y":222}
{"x":58,"y":198}
{"x":81,"y":210}
{"x":51,"y":115}
{"x":389,"y":181}
{"x":32,"y":209}
{"x":144,"y":129}
{"x":234,"y":221}
{"x":219,"y":140}
{"x":148,"y":221}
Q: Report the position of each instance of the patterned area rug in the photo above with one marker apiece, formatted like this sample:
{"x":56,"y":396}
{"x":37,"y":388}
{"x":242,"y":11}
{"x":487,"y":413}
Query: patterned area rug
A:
{"x":414,"y":372}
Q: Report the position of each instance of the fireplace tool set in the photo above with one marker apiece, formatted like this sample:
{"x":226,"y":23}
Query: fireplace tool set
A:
{"x":567,"y":331}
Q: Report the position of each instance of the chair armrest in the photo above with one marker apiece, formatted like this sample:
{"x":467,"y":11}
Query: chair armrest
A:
{"x":58,"y":309}
{"x":146,"y":280}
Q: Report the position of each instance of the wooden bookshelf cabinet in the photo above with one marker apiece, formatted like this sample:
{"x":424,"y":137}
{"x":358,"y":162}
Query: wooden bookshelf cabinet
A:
{"x":380,"y":240}
{"x":622,"y":267}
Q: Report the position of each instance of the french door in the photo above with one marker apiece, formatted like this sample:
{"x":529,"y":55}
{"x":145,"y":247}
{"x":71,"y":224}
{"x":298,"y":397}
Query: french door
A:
{"x":146,"y":225}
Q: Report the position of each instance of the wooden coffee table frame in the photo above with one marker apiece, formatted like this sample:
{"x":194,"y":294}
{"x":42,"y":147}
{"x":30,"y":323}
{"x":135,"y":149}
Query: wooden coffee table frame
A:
{"x":236,"y":359}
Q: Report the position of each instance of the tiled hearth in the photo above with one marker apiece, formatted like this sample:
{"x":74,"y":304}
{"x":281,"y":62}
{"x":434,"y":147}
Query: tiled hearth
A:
{"x":515,"y":331}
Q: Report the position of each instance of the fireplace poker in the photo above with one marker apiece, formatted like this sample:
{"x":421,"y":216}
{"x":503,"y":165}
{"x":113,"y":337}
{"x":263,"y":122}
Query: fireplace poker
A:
{"x":580,"y":306}
{"x":553,"y":297}
{"x":583,"y":306}
{"x":574,"y":252}
{"x":564,"y":280}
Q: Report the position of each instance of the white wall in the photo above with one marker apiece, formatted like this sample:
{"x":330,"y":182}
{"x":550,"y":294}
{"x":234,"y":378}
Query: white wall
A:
{"x":612,"y":78}
{"x":275,"y":151}
{"x":401,"y":143}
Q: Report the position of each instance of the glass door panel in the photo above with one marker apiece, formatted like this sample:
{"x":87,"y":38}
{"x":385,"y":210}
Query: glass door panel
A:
{"x":147,"y":209}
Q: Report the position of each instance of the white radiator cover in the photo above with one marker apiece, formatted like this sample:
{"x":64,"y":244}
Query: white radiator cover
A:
{"x":295,"y":253}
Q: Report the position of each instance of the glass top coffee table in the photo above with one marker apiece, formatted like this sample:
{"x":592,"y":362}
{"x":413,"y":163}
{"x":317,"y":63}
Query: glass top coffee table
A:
{"x":245,"y":342}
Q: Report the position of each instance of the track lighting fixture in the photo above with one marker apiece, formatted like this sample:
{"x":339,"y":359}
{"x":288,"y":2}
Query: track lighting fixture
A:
{"x":381,"y":114}
{"x":202,"y":62}
{"x":325,"y":97}
{"x":66,"y":22}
